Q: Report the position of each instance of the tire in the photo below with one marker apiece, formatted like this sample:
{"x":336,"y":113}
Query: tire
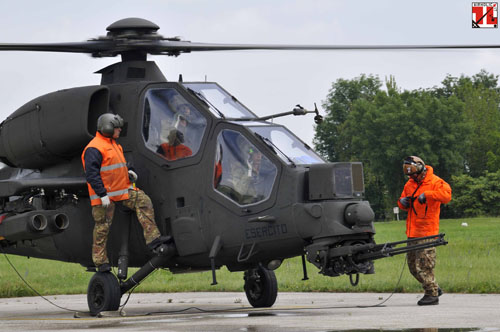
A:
{"x":103,"y":293}
{"x":261,"y":287}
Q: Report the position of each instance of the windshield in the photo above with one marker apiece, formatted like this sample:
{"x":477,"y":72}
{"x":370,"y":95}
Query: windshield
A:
{"x":288,"y":147}
{"x":219,"y":101}
{"x":242,"y":173}
{"x":172,"y":127}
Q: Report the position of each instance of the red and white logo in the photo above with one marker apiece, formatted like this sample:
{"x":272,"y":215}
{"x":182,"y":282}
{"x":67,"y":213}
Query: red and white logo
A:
{"x":485,"y":14}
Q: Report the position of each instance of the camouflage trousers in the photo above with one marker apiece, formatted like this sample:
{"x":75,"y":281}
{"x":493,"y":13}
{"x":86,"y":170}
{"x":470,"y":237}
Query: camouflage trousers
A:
{"x":138,"y":202}
{"x":421,"y":264}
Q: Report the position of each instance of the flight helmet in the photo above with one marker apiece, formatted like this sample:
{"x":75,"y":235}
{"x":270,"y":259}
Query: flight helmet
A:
{"x":107,"y":123}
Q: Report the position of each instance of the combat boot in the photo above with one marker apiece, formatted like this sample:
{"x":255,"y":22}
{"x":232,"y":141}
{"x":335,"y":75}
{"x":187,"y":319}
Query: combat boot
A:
{"x":162,"y":246}
{"x":164,"y":250}
{"x":428,"y":300}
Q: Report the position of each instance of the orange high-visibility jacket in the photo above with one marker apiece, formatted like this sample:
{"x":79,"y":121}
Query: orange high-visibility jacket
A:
{"x":174,"y":152}
{"x":114,"y":171}
{"x":423,"y":219}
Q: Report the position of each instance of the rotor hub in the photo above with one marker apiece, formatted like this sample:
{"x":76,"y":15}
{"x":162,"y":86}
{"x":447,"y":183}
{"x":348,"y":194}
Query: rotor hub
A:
{"x":125,"y":35}
{"x":133,"y":28}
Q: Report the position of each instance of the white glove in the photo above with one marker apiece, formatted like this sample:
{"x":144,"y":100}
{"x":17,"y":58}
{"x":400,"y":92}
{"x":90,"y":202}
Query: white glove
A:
{"x":105,"y":201}
{"x":132,"y":176}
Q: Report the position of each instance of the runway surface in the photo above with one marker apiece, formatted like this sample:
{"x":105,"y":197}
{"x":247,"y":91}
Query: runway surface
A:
{"x":231,"y":312}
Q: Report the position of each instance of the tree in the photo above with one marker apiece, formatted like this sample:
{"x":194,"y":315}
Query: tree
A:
{"x":476,"y":196}
{"x":338,"y":105}
{"x":381,"y":129}
{"x":481,"y":98}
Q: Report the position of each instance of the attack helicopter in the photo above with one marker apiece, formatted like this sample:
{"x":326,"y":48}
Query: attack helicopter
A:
{"x":246,"y":193}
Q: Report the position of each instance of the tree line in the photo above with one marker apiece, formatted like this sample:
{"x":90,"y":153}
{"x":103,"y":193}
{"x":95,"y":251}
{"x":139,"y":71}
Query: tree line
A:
{"x":454,"y":127}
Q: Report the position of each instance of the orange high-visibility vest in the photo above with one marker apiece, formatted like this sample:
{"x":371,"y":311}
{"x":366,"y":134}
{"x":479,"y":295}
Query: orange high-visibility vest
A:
{"x":114,"y":171}
{"x":423,"y":219}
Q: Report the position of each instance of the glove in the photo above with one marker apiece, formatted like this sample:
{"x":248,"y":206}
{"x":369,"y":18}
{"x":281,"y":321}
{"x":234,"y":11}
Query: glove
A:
{"x":422,"y":199}
{"x":132,"y":176}
{"x":105,"y":201}
{"x":405,"y":201}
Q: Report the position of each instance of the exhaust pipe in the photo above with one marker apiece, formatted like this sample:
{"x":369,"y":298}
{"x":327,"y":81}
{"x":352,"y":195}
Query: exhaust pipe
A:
{"x":58,"y":222}
{"x":32,"y":225}
{"x":37,"y":223}
{"x":24,"y":226}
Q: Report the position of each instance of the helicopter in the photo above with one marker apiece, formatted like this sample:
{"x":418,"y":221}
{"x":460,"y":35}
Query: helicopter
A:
{"x":246,"y":193}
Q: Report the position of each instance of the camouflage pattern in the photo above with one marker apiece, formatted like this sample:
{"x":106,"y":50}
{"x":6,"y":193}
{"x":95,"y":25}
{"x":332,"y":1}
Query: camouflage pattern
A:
{"x":421,"y":264}
{"x":140,"y":203}
{"x":103,"y":218}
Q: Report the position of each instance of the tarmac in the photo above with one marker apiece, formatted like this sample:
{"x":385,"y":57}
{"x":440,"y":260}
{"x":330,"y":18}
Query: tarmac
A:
{"x":220,"y":311}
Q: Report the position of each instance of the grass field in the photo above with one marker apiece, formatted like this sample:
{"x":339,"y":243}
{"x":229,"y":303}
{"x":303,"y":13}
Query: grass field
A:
{"x":468,"y":264}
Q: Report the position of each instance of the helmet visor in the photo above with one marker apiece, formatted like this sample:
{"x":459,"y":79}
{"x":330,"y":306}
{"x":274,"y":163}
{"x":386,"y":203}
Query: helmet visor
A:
{"x":117,"y":121}
{"x":409,"y":168}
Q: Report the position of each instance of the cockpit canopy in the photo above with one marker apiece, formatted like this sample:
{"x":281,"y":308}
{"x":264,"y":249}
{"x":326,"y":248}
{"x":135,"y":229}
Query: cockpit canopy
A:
{"x":281,"y":141}
{"x":219,"y":101}
{"x":244,"y":172}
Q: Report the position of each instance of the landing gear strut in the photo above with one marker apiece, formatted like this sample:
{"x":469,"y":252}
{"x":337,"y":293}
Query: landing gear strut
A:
{"x":105,"y":291}
{"x":261,"y":287}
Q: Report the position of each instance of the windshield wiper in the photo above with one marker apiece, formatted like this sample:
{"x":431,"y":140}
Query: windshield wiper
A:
{"x":206,"y":101}
{"x":274,"y":147}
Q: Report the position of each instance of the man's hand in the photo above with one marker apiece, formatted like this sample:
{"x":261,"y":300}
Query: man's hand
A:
{"x":105,"y":201}
{"x":422,"y":199}
{"x":405,"y":201}
{"x":132,"y":176}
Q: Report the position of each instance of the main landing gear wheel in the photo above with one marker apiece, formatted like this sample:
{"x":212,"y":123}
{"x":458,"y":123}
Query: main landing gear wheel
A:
{"x":261,"y":287}
{"x":104,"y":293}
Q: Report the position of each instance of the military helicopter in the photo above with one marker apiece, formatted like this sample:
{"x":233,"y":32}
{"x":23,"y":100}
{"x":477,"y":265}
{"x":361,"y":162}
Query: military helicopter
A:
{"x":245,"y":193}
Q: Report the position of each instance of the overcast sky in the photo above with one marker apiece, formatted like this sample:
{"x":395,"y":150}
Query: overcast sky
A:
{"x":266,"y":81}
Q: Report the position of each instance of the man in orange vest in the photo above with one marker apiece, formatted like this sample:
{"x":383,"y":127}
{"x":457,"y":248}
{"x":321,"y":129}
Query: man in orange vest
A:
{"x":108,"y":180}
{"x":422,"y":197}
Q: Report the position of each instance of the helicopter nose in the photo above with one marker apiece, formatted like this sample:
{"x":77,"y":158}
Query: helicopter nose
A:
{"x":330,"y":218}
{"x":359,"y":214}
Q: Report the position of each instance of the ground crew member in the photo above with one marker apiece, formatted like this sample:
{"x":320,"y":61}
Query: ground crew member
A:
{"x":109,"y":183}
{"x":422,"y":197}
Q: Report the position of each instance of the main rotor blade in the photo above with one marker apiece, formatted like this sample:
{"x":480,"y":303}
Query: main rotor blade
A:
{"x":190,"y":47}
{"x":105,"y":47}
{"x":78,"y":47}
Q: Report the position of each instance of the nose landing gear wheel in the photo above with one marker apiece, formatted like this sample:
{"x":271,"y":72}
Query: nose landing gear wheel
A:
{"x":103,"y":293}
{"x":261,"y":287}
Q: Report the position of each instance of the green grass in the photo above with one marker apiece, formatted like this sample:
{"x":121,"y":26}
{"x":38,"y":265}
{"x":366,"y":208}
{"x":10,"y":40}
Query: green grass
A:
{"x":468,"y":264}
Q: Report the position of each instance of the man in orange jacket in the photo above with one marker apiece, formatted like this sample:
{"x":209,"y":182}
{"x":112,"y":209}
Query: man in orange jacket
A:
{"x":422,"y":197}
{"x":174,"y":149}
{"x":108,"y":180}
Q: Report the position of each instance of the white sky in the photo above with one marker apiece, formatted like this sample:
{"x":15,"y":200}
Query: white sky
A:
{"x":265,"y":81}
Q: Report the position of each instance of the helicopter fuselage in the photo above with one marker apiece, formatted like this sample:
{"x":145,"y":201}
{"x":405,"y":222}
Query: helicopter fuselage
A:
{"x":291,"y":201}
